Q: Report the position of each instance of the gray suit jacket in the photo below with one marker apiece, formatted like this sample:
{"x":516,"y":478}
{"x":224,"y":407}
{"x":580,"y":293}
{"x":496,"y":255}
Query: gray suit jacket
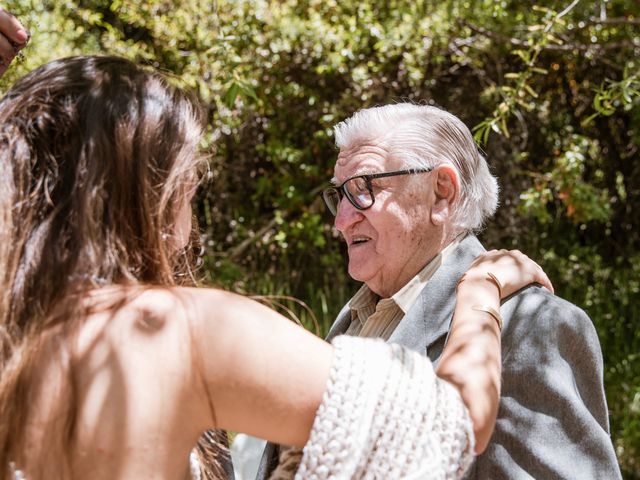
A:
{"x":553,"y":420}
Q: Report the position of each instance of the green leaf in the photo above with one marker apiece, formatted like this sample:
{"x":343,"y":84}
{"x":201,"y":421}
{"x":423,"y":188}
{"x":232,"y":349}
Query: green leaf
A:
{"x":229,"y":98}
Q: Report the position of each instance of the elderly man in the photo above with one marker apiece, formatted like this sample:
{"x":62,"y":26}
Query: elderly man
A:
{"x":410,"y":188}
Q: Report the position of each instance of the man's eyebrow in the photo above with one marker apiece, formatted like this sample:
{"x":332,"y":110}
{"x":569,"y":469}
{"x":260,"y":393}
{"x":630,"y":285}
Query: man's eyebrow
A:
{"x":334,"y":180}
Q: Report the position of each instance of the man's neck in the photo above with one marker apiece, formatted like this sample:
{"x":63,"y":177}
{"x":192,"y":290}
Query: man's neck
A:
{"x":436,"y":258}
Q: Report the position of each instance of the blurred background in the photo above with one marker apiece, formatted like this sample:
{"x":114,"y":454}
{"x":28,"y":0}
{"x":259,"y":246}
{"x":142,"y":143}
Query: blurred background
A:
{"x":550,"y":89}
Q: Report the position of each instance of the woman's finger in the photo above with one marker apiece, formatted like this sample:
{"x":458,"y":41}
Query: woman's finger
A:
{"x":13,"y":37}
{"x":543,"y":279}
{"x":7,"y":53}
{"x":13,"y":30}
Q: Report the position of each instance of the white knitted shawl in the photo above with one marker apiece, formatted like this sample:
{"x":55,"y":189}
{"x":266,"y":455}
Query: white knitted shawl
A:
{"x":385,"y":415}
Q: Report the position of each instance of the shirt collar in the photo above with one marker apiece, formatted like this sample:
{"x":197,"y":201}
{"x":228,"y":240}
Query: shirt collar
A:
{"x":407,"y":295}
{"x":363,"y":303}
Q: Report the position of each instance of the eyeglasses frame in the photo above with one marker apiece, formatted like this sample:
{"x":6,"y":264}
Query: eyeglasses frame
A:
{"x":368,"y":177}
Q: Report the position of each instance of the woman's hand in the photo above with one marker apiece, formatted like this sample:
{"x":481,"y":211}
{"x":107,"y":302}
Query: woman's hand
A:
{"x":13,"y":38}
{"x":511,"y":268}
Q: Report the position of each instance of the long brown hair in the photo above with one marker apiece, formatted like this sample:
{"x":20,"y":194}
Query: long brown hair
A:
{"x":96,"y":157}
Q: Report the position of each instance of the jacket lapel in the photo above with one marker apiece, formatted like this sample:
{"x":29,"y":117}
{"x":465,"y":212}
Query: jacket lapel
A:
{"x":430,"y":317}
{"x":341,"y":324}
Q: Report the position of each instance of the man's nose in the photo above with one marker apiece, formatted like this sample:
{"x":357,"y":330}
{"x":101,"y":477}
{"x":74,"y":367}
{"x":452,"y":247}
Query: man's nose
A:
{"x":347,"y":215}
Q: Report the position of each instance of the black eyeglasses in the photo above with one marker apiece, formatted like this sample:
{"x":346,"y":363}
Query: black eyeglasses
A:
{"x":359,"y":190}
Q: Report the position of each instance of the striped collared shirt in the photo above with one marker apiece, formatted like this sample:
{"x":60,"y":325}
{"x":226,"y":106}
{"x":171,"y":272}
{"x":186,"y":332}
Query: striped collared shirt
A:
{"x":372,"y":316}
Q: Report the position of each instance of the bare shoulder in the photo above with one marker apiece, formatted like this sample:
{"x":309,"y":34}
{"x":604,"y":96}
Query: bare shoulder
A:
{"x":128,"y":314}
{"x":138,"y":330}
{"x":146,"y":311}
{"x":135,"y":358}
{"x":154,"y":327}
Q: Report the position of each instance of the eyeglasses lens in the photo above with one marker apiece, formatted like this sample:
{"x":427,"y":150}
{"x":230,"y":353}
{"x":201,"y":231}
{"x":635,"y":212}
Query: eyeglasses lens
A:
{"x":358,"y":192}
{"x":332,"y":199}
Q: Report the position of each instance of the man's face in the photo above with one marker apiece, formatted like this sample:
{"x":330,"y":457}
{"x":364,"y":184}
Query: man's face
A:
{"x":394,"y":239}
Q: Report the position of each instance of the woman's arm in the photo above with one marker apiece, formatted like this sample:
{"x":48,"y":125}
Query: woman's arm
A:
{"x":471,"y":359}
{"x":266,"y":376}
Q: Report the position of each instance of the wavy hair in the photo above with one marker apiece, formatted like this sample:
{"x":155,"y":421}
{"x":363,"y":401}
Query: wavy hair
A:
{"x":97,"y":156}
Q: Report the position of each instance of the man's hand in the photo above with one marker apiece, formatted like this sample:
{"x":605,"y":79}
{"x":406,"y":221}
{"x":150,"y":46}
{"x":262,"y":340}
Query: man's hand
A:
{"x":13,"y":38}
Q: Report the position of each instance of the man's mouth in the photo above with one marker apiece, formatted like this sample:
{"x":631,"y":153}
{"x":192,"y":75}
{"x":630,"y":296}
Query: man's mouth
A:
{"x":359,"y":240}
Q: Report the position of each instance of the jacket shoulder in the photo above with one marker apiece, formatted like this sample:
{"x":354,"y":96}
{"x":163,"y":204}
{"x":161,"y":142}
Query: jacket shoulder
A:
{"x":536,"y":308}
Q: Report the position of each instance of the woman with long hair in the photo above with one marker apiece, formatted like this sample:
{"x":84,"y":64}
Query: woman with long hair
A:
{"x":112,"y":365}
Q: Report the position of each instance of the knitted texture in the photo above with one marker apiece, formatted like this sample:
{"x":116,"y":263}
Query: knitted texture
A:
{"x":386,"y":415}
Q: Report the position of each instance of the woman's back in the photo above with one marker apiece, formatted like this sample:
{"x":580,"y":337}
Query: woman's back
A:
{"x":140,"y":383}
{"x":134,"y":405}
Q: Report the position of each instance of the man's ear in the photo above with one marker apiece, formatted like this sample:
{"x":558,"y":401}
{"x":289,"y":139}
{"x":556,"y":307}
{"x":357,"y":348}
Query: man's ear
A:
{"x":446,"y":190}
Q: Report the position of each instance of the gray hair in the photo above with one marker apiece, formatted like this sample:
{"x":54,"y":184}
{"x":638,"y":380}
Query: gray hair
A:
{"x":424,"y":136}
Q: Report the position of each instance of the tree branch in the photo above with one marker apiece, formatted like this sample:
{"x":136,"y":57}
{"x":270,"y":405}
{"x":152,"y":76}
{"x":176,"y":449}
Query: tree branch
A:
{"x":613,"y":21}
{"x":560,"y":48}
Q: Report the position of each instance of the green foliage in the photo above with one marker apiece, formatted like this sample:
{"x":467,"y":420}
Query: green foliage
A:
{"x":615,"y":95}
{"x":551,"y":89}
{"x":564,"y":185}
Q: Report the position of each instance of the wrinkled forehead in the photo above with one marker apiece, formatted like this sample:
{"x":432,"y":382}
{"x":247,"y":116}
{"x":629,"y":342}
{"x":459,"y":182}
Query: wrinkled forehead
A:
{"x":366,"y":157}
